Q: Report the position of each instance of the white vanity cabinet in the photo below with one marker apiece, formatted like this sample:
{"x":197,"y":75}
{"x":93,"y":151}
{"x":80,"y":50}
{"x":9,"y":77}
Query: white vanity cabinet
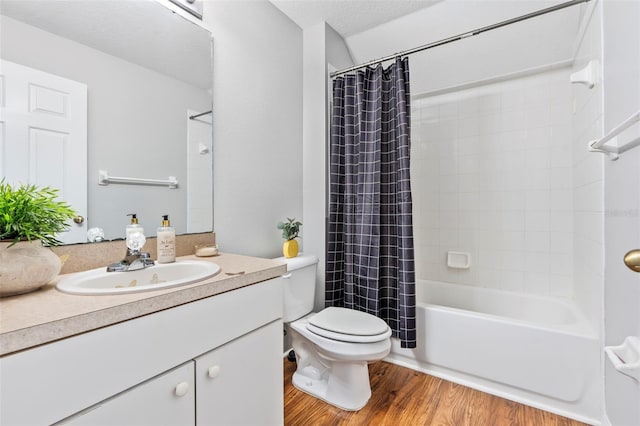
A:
{"x":235,"y":383}
{"x":165,"y":400}
{"x":227,"y":349}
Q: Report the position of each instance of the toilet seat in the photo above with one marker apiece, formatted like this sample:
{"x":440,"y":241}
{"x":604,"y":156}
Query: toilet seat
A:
{"x":348,"y":325}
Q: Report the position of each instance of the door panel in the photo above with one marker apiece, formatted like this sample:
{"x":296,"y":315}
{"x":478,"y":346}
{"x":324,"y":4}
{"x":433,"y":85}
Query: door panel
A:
{"x":44,"y":135}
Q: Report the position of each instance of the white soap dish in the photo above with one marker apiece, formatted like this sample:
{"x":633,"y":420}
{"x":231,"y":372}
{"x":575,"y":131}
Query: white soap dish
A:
{"x":458,"y":259}
{"x":626,"y":357}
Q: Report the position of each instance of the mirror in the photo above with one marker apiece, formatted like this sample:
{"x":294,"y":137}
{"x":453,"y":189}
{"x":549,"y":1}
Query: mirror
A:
{"x":146,"y":69}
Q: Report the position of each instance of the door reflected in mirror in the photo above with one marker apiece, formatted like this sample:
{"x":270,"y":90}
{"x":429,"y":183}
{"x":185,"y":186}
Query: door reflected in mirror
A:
{"x":146,"y":70}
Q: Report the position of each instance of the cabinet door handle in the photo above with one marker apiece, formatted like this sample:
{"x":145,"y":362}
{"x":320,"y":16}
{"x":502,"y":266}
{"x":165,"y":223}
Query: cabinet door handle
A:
{"x":181,"y":389}
{"x":213,"y":371}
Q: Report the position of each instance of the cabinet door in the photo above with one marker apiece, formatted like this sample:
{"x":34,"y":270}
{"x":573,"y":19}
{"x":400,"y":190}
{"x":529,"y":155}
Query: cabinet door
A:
{"x":168,"y":399}
{"x":240,"y":383}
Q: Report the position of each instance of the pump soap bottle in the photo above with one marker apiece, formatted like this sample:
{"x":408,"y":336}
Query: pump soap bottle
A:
{"x":166,"y":238}
{"x":134,"y":226}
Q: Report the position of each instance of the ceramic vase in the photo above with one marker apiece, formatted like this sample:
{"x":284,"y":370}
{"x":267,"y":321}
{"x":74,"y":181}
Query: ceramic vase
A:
{"x":26,"y":266}
{"x":290,"y":248}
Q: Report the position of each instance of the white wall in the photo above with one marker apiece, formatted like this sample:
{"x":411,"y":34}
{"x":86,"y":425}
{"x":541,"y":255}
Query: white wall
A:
{"x":257,"y":124}
{"x":199,"y":173}
{"x":133,"y":126}
{"x":491,"y":176}
{"x":588,"y":179}
{"x":323,"y":49}
{"x":509,"y":49}
{"x":621,"y":65}
{"x":588,"y":217}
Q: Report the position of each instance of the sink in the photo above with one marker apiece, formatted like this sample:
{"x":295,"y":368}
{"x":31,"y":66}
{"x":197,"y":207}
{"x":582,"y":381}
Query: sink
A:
{"x":162,"y":275}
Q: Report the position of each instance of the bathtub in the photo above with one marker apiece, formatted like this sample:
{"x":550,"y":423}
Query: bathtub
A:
{"x":536,"y":350}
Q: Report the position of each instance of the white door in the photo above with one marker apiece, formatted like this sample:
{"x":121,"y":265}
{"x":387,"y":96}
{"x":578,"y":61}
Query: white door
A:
{"x":621,"y":76}
{"x":43,"y":136}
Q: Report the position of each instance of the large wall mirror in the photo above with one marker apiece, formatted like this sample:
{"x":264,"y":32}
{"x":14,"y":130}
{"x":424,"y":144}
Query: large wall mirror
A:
{"x":133,"y":77}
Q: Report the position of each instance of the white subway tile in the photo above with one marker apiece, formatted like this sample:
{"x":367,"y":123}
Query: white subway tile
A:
{"x":538,"y":241}
{"x":537,"y":220}
{"x":537,"y":200}
{"x":513,"y":220}
{"x":561,"y":264}
{"x":513,"y":200}
{"x":512,"y":280}
{"x":513,"y":260}
{"x":513,"y":240}
{"x":536,"y":282}
{"x":561,"y":221}
{"x":561,"y":242}
{"x":469,"y":164}
{"x":537,"y":158}
{"x":537,"y":262}
{"x":490,"y":259}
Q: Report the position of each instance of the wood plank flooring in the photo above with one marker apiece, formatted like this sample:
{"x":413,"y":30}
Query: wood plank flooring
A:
{"x":402,"y":396}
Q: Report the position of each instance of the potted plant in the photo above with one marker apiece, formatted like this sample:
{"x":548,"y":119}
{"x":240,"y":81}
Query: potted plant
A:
{"x":290,"y":231}
{"x":30,"y":216}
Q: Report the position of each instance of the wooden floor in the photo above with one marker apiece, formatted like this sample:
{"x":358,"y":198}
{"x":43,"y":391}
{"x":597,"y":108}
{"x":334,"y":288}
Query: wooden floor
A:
{"x":401,"y":396}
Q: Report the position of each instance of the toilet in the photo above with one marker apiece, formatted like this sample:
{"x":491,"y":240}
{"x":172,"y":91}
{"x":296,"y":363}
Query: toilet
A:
{"x":334,"y":346}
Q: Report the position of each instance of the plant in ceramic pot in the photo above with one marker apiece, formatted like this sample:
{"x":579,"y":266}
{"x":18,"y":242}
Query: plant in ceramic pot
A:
{"x":290,"y":231}
{"x":30,"y":216}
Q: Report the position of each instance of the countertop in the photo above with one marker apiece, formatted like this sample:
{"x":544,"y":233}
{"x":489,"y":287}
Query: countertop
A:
{"x":48,"y":315}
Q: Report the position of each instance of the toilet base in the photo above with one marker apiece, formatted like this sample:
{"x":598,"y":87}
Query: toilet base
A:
{"x":334,"y":371}
{"x":344,"y":385}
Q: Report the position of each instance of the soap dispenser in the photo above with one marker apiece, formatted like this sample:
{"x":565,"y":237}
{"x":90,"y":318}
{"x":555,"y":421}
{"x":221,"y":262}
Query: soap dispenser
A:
{"x":166,"y":238}
{"x":134,"y":226}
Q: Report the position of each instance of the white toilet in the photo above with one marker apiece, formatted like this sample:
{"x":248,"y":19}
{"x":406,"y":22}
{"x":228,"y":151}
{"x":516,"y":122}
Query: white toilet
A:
{"x":334,"y":346}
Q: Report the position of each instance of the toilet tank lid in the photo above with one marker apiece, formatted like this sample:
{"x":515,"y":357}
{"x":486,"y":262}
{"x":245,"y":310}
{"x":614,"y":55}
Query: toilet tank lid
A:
{"x":298,"y":262}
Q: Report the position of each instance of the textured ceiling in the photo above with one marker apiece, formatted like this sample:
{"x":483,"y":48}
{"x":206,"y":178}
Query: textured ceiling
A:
{"x":142,"y":32}
{"x":348,"y":17}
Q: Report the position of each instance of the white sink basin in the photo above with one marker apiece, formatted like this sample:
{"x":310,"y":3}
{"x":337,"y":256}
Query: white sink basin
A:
{"x":162,"y":275}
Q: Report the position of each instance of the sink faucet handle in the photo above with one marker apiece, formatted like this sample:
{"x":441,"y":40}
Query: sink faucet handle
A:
{"x":135,"y":241}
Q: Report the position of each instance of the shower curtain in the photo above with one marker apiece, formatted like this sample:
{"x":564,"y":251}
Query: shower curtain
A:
{"x":370,"y":265}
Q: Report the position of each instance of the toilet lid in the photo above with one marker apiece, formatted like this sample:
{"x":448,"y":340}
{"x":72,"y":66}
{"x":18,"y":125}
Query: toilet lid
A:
{"x":348,"y":325}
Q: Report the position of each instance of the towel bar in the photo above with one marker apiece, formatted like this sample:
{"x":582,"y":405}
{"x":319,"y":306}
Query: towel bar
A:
{"x":613,"y":152}
{"x":105,"y":179}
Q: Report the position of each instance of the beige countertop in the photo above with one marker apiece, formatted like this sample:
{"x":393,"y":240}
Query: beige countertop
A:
{"x":48,"y":315}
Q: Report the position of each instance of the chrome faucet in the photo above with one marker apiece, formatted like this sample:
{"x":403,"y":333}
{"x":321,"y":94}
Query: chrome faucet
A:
{"x":134,"y":259}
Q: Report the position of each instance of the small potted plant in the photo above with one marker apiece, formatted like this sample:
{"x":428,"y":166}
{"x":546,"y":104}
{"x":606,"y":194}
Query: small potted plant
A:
{"x":30,"y":216}
{"x":290,"y":231}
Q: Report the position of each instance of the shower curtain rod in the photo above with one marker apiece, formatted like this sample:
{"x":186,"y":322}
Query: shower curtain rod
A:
{"x":461,"y":36}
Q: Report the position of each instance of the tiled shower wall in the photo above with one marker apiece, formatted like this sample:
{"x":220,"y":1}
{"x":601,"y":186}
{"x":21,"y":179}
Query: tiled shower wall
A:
{"x":588,"y":178}
{"x":492,"y":176}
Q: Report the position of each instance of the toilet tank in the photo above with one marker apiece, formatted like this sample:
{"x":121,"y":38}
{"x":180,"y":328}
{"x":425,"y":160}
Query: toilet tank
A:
{"x":299,"y":285}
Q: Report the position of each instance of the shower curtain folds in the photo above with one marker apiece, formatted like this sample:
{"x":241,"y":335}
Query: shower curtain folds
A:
{"x":370,"y":265}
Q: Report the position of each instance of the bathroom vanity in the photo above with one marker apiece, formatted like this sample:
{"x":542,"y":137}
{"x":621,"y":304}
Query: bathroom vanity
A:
{"x":205,"y":353}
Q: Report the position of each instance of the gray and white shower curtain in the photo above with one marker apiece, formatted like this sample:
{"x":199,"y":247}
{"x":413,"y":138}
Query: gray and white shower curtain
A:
{"x":370,"y":265}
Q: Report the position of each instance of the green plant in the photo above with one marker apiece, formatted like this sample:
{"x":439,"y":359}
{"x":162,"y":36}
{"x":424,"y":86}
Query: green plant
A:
{"x":290,"y":229}
{"x":30,"y":213}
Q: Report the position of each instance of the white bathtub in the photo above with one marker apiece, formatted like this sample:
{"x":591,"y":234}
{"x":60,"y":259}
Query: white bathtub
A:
{"x":536,"y":350}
